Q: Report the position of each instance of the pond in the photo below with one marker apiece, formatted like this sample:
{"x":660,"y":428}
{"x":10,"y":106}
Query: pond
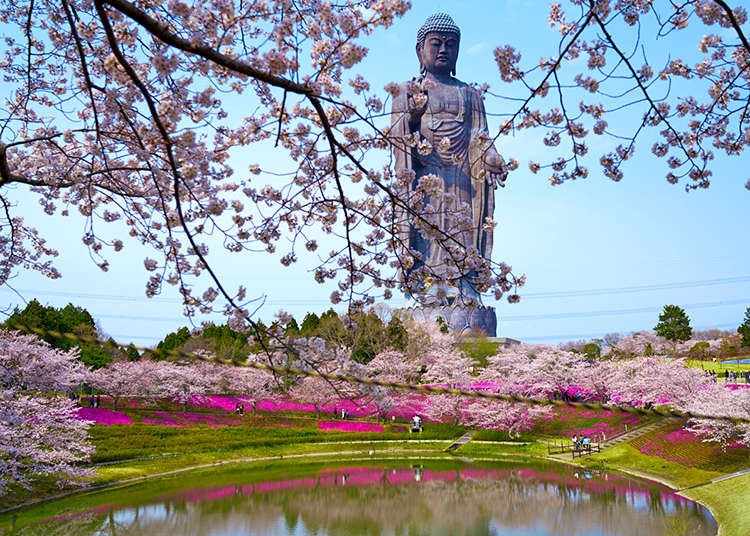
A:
{"x":374,"y":497}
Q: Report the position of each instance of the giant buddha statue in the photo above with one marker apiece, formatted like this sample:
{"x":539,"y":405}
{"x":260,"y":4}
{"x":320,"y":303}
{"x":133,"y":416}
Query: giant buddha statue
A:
{"x":441,"y":142}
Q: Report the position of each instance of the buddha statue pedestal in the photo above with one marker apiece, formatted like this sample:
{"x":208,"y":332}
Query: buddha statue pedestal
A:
{"x":459,"y":319}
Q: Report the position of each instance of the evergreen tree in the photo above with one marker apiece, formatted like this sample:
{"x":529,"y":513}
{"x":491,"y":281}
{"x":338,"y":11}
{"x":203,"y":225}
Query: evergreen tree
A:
{"x":309,"y":324}
{"x":65,"y":320}
{"x":173,"y":341}
{"x":69,"y":319}
{"x":292,"y":328}
{"x":674,"y":324}
{"x":396,"y":333}
{"x":133,"y":354}
{"x":592,"y":351}
{"x":744,"y":329}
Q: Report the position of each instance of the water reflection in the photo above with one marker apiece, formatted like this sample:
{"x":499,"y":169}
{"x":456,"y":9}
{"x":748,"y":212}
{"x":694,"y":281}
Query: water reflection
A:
{"x":544,"y":500}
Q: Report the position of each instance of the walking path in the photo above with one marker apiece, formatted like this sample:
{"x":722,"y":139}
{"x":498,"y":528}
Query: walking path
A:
{"x":719,"y":479}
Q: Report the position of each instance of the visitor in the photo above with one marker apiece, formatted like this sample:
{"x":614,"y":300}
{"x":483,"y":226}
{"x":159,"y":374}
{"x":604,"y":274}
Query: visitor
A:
{"x":242,"y":408}
{"x":417,"y":423}
{"x":98,"y":401}
{"x":575,"y":442}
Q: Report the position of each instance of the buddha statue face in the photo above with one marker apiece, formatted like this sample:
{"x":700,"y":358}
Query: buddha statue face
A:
{"x":438,"y":53}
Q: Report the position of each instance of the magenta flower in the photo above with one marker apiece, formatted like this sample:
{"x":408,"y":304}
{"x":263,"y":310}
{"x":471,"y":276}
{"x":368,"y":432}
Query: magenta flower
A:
{"x":103,"y":416}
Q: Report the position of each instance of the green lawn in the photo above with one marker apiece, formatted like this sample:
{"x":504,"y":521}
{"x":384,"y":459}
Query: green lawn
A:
{"x":126,"y":441}
{"x":720,"y":366}
{"x":730,"y":504}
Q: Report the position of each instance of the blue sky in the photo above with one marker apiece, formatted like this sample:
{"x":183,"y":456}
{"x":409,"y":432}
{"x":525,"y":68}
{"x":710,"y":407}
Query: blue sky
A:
{"x":599,"y":256}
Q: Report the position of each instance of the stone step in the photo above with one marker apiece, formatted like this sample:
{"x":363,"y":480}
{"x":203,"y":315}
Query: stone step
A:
{"x":461,"y":441}
{"x":629,"y":436}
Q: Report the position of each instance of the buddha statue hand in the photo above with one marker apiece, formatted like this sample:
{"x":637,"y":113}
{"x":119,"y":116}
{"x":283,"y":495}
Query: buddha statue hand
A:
{"x":416,"y":104}
{"x":495,"y":168}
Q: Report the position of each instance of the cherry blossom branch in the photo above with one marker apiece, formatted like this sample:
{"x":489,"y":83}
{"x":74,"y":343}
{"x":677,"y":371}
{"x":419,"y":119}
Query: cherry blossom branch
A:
{"x":652,"y":105}
{"x":735,"y":24}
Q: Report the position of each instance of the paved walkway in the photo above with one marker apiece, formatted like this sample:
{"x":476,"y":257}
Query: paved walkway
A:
{"x":718,"y":479}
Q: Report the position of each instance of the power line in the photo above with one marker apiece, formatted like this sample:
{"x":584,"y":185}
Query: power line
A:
{"x":528,"y":296}
{"x":510,"y":318}
{"x":639,"y":288}
{"x":610,"y":312}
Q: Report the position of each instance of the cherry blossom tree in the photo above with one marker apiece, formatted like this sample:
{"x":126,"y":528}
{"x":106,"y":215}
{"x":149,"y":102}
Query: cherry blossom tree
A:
{"x":512,"y":417}
{"x":388,"y":366}
{"x":248,"y":383}
{"x":315,"y":355}
{"x":535,"y":370}
{"x":452,"y":370}
{"x":696,"y":104}
{"x":655,"y":380}
{"x":121,"y":117}
{"x":727,"y":405}
{"x":30,"y":364}
{"x":131,"y":378}
{"x":639,"y":344}
{"x":182,"y":382}
{"x":40,"y":433}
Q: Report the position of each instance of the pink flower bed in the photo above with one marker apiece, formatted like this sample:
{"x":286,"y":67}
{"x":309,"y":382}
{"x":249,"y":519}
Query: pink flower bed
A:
{"x":571,"y":421}
{"x":674,"y":444}
{"x":191,"y":419}
{"x":349,"y":426}
{"x":106,"y":417}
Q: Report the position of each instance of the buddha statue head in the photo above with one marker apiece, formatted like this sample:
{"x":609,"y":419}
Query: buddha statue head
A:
{"x":437,"y":45}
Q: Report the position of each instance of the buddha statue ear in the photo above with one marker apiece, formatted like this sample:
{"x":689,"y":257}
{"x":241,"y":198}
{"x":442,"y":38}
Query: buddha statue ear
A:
{"x":422,"y":68}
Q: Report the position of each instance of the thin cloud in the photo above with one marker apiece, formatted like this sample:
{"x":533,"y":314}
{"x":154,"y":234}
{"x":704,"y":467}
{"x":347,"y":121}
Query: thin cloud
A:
{"x":477,"y":49}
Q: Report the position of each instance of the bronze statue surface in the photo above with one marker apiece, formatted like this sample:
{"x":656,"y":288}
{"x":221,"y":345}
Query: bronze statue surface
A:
{"x":443,"y":148}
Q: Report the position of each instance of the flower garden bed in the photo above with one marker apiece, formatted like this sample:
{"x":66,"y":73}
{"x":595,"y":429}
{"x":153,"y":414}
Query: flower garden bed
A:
{"x":569,"y":421}
{"x":674,"y":444}
{"x":103,"y":416}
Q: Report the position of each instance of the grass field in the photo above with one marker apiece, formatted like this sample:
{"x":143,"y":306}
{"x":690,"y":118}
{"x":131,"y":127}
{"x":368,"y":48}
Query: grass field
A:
{"x":720,"y":366}
{"x":731,"y":505}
